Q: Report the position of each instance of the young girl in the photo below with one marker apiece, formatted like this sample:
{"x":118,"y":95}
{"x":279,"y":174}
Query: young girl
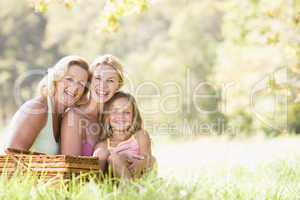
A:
{"x":127,"y":147}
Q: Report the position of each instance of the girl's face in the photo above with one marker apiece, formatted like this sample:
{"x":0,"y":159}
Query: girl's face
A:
{"x":121,"y":114}
{"x":70,"y":89}
{"x":104,"y":84}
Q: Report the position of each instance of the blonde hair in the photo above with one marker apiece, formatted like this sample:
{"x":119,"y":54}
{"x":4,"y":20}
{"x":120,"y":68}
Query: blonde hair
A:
{"x":58,"y":71}
{"x":137,"y":122}
{"x":112,"y":61}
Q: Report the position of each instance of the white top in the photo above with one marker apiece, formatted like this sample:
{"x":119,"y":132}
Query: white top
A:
{"x":45,"y":141}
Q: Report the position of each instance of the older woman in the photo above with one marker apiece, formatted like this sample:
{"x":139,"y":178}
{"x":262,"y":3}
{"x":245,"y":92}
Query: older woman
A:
{"x":36,"y":125}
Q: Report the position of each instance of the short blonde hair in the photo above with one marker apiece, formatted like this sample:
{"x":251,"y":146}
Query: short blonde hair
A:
{"x":112,"y":61}
{"x":58,"y":71}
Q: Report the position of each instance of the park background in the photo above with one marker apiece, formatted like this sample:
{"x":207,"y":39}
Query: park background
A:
{"x":217,"y":81}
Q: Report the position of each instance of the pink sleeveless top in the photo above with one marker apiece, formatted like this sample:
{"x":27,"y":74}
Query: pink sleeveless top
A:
{"x":87,"y":149}
{"x":131,"y":146}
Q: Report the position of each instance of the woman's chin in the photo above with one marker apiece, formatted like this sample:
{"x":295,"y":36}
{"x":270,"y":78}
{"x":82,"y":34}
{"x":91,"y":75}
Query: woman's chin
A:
{"x":101,"y":99}
{"x":69,"y":102}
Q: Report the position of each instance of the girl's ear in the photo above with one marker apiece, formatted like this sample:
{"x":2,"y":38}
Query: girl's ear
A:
{"x":108,"y":127}
{"x":110,"y":132}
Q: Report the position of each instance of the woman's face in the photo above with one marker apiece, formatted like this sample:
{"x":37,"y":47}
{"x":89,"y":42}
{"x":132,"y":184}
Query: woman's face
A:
{"x":104,"y":84}
{"x":120,"y":114}
{"x":70,"y":89}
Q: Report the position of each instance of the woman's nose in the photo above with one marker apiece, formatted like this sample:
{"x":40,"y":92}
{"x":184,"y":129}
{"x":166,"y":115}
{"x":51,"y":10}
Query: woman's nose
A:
{"x":74,"y":89}
{"x":103,"y":85}
{"x":121,"y":116}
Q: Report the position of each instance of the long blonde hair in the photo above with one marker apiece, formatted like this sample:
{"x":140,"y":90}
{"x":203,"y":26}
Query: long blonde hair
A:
{"x":137,"y":122}
{"x":58,"y":71}
{"x":112,"y":61}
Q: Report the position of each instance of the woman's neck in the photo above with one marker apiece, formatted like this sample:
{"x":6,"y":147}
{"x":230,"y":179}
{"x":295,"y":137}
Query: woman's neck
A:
{"x":93,"y":109}
{"x":57,"y":107}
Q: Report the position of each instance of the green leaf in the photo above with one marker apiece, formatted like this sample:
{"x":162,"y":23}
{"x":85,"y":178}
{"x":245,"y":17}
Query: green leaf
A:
{"x":41,"y":7}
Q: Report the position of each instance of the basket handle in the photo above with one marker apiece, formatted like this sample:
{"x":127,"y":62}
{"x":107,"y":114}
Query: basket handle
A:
{"x":21,"y":151}
{"x":16,"y":159}
{"x":12,"y":152}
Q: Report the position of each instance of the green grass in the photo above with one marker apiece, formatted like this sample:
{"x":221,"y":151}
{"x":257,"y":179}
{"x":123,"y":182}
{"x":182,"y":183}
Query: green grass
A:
{"x":150,"y":187}
{"x":216,"y":169}
{"x":276,"y":180}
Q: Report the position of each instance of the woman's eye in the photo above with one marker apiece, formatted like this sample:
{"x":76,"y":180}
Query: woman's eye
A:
{"x":68,"y":78}
{"x":110,"y":81}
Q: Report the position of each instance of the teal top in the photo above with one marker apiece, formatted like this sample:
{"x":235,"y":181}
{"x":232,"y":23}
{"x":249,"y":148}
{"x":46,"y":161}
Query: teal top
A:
{"x":45,"y":141}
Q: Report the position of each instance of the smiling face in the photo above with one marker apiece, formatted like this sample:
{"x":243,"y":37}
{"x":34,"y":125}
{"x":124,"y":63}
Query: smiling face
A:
{"x":105,"y":82}
{"x":70,"y":89}
{"x":121,"y":114}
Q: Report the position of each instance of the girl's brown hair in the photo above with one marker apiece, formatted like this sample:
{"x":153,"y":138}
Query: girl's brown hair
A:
{"x":136,"y":121}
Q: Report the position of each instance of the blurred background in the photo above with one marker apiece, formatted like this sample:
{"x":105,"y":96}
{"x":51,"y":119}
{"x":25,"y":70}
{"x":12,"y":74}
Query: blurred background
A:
{"x":196,"y":67}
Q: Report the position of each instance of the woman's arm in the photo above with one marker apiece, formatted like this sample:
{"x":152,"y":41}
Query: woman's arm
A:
{"x":27,"y":123}
{"x":99,"y":147}
{"x":71,"y":133}
{"x":102,"y":153}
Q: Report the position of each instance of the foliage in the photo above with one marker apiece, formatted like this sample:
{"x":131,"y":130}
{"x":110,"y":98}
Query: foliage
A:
{"x":112,"y":12}
{"x":294,"y":118}
{"x":21,"y":50}
{"x":156,"y":42}
{"x":182,"y":45}
{"x":260,"y":37}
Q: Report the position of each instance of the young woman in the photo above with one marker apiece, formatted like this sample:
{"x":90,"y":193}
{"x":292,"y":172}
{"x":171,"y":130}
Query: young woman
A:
{"x":80,"y":126}
{"x":125,"y":138}
{"x":36,"y":125}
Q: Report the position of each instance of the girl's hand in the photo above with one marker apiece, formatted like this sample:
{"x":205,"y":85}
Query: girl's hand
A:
{"x":136,"y":166}
{"x":130,"y":157}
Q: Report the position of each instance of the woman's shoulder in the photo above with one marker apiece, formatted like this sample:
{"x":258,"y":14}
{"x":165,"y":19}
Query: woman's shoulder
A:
{"x":101,"y":144}
{"x":33,"y":111}
{"x":74,"y":114}
{"x":74,"y":110}
{"x":79,"y":112}
{"x":37,"y":105}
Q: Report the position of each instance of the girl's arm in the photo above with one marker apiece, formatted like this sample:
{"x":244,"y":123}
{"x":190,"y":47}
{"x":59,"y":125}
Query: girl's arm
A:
{"x":71,"y":133}
{"x":27,"y":123}
{"x":144,"y":143}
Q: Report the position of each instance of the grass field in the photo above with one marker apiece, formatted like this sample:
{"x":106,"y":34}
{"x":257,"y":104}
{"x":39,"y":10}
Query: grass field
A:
{"x":206,"y":168}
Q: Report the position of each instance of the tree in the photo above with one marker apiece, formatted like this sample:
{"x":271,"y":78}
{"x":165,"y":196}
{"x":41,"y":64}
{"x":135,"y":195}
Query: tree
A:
{"x":112,"y":12}
{"x":260,"y":38}
{"x":21,"y":50}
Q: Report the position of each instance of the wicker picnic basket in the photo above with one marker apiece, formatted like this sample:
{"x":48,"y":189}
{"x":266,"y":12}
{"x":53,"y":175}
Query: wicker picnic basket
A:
{"x":47,"y":166}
